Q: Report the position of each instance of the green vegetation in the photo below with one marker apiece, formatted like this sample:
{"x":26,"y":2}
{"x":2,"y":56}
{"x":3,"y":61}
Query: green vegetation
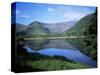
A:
{"x":37,"y":44}
{"x":35,"y":29}
{"x":78,"y":43}
{"x":39,"y":62}
{"x":87,"y":27}
{"x":80,"y":26}
{"x":91,"y":37}
{"x":53,"y":65}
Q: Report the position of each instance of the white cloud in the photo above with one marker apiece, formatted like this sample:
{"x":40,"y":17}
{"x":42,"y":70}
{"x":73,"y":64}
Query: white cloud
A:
{"x":25,"y":16}
{"x":51,"y":9}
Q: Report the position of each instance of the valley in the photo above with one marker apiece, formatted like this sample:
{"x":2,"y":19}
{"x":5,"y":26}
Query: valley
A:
{"x":63,"y":43}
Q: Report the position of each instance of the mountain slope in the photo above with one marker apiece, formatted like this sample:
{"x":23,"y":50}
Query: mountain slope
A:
{"x":42,"y":29}
{"x":20,"y":27}
{"x":36,"y":29}
{"x":80,"y":26}
{"x":59,"y":27}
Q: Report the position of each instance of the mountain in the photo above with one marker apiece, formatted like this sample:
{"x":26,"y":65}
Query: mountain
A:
{"x":36,"y":29}
{"x":20,"y":27}
{"x":59,"y":27}
{"x":80,"y":26}
{"x":42,"y":29}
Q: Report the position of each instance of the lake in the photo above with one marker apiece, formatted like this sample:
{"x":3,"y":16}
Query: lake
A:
{"x":60,"y":47}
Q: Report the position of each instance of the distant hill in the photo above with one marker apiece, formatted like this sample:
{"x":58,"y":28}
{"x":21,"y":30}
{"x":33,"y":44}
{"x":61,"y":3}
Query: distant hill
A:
{"x":80,"y":26}
{"x":41,"y":29}
{"x":20,"y":27}
{"x":59,"y":27}
{"x":36,"y":29}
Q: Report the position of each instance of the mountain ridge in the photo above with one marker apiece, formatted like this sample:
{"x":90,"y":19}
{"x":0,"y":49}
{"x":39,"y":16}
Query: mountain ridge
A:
{"x":56,"y":27}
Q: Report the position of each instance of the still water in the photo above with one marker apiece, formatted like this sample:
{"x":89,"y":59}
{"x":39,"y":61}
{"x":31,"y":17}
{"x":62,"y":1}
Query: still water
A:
{"x":59,"y":48}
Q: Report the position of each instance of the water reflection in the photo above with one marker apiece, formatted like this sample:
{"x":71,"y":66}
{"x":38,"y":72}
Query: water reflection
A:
{"x":44,"y":43}
{"x":37,"y":44}
{"x":59,"y":47}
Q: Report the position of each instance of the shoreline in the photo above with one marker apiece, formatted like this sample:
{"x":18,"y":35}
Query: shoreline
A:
{"x":54,"y":37}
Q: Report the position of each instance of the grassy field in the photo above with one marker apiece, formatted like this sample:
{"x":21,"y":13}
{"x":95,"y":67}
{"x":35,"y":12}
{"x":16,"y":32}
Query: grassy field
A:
{"x":54,"y":65}
{"x":38,"y":62}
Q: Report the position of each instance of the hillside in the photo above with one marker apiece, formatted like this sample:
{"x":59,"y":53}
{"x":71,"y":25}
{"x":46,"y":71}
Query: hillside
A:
{"x":59,"y":27}
{"x":20,"y":27}
{"x":36,"y":29}
{"x":43,"y":29}
{"x":80,"y":26}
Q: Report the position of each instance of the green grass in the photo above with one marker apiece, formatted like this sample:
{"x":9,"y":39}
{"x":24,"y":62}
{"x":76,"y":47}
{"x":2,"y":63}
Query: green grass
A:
{"x":54,"y":65}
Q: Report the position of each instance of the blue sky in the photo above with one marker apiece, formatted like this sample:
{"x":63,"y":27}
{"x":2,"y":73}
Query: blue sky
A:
{"x":48,"y":13}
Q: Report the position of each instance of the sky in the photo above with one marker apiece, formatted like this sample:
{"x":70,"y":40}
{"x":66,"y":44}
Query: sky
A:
{"x":25,"y":13}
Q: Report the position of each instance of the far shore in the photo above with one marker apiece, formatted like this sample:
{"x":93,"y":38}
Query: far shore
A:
{"x":36,"y":38}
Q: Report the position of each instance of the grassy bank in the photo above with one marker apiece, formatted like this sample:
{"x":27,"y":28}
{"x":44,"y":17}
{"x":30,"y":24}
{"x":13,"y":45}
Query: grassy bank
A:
{"x":54,"y":64}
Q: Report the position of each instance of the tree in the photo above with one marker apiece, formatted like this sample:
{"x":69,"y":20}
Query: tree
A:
{"x":91,"y":37}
